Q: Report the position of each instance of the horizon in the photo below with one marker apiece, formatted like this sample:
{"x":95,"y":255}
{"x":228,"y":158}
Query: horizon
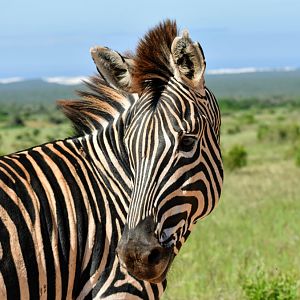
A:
{"x":78,"y":79}
{"x":53,"y":39}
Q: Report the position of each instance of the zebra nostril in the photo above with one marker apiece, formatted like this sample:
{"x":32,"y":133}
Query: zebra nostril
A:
{"x":154,"y":256}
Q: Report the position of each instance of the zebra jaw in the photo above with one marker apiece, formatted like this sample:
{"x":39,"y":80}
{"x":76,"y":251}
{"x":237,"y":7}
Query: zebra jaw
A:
{"x":141,"y":253}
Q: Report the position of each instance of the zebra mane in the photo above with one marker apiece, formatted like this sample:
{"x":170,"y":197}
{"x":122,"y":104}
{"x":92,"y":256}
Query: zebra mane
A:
{"x":99,"y":105}
{"x":152,"y":59}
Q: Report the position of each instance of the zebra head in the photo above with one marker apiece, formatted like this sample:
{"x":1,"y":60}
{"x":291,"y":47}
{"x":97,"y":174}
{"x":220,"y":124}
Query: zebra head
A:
{"x":172,"y":143}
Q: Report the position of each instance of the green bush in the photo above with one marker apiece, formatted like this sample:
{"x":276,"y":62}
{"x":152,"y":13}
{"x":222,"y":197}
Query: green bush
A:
{"x":263,"y":286}
{"x":3,"y":115}
{"x":17,"y":121}
{"x":247,"y":118}
{"x":57,"y":119}
{"x":236,"y":157}
{"x":1,"y":145}
{"x":297,"y":157}
{"x":36,"y":132}
{"x":263,"y":132}
{"x":281,"y":118}
{"x":50,"y":138}
{"x":233,"y":130}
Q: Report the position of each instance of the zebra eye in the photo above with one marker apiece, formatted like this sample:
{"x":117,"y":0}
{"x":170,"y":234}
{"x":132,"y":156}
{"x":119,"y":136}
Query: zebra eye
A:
{"x":187,"y":143}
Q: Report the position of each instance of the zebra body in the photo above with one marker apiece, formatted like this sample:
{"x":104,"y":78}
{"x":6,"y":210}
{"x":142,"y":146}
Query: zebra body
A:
{"x":133,"y":183}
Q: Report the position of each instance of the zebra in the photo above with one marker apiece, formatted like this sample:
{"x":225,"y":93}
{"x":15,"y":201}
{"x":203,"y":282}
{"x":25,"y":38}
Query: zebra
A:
{"x":103,"y":214}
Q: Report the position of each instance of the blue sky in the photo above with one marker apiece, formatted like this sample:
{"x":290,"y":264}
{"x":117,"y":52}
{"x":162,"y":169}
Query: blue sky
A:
{"x":52,"y":38}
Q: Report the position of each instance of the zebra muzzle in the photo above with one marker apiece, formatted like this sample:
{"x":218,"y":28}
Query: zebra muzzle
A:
{"x":142,"y":255}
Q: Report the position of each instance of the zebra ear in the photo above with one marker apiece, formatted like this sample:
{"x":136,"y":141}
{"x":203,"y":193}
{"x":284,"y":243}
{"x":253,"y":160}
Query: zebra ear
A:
{"x":113,"y":67}
{"x":188,"y":62}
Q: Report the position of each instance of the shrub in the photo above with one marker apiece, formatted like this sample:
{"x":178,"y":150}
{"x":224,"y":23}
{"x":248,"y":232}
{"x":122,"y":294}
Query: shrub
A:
{"x":281,"y":118}
{"x":236,"y":157}
{"x":263,"y":131}
{"x":36,"y":132}
{"x":247,"y":118}
{"x":297,"y":157}
{"x":56,"y":119}
{"x":263,"y":286}
{"x":1,"y":145}
{"x":50,"y":138}
{"x":233,"y":130}
{"x":3,"y":115}
{"x":17,"y":121}
{"x":282,"y":134}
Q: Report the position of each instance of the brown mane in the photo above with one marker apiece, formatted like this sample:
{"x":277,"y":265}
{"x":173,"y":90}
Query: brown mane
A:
{"x":152,"y":60}
{"x":98,"y":105}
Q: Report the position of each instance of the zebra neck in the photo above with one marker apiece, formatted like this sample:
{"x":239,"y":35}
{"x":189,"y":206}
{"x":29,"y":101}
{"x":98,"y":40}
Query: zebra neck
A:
{"x":106,"y":152}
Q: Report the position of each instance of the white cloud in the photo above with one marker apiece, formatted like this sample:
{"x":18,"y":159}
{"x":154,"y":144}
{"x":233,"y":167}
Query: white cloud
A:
{"x":10,"y":80}
{"x":66,"y":80}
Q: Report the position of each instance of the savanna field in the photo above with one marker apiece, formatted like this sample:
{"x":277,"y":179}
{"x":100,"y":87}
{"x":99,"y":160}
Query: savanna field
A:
{"x":249,"y":247}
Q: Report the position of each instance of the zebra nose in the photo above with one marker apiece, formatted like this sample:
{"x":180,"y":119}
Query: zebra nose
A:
{"x":140,"y":244}
{"x":140,"y":252}
{"x":143,"y":263}
{"x":154,"y":256}
{"x":133,"y":252}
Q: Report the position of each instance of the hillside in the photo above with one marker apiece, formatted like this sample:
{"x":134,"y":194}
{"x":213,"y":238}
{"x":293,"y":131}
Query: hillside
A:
{"x":256,"y":85}
{"x":262,"y":85}
{"x":35,"y":91}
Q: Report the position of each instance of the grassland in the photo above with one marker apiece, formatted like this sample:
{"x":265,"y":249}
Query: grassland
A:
{"x":256,"y":226}
{"x":28,"y":115}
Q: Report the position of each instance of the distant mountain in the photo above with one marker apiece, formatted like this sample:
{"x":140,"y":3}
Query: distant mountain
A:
{"x":226,"y":83}
{"x":36,"y":90}
{"x":262,"y":84}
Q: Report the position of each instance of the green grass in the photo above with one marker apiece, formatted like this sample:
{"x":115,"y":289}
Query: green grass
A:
{"x":38,"y":126}
{"x":270,"y":286}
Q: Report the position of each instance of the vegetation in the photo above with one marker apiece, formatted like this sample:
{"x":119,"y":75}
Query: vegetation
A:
{"x":297,"y":157}
{"x":276,"y":286}
{"x":236,"y":158}
{"x":24,"y":125}
{"x":248,"y":248}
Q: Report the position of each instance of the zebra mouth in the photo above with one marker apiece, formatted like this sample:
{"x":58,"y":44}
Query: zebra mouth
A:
{"x":163,"y":275}
{"x":154,"y":270}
